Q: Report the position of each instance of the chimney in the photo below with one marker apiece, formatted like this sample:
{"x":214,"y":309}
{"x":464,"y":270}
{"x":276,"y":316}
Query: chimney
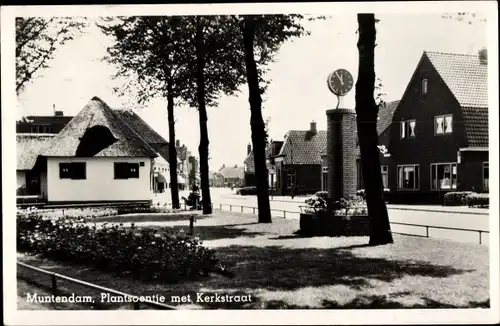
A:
{"x":249,"y":149}
{"x":483,"y":56}
{"x":54,"y":108}
{"x":58,"y":113}
{"x":313,"y":130}
{"x":177,"y":143}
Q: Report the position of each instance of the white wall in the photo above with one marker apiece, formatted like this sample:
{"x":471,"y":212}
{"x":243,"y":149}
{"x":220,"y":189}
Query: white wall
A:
{"x":100,"y":184}
{"x":21,"y":178}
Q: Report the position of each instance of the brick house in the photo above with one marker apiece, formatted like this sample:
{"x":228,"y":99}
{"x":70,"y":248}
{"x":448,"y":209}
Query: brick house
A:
{"x":43,"y":124}
{"x":298,"y":161}
{"x":438,"y":139}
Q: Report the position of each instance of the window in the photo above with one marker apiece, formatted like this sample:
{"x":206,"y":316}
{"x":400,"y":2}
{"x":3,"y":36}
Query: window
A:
{"x":34,"y":129}
{"x":424,"y":86}
{"x":141,"y":164}
{"x":443,"y":176}
{"x":290,"y":182}
{"x":408,"y":129}
{"x":74,"y":170}
{"x":324,"y":179}
{"x":385,"y":176}
{"x":486,"y":176}
{"x":126,"y":170}
{"x":443,"y":124}
{"x":408,"y":177}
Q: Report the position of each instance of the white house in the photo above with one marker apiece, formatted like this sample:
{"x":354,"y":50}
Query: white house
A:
{"x":97,"y":157}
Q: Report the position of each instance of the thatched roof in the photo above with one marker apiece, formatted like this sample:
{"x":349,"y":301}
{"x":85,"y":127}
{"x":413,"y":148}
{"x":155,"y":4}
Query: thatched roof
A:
{"x":28,"y":146}
{"x":135,"y":122}
{"x":122,"y":141}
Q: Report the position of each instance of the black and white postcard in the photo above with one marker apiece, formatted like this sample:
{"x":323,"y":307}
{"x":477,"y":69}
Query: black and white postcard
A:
{"x":284,"y":163}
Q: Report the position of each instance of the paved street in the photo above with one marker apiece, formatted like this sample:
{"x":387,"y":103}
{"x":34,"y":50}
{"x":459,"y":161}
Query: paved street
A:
{"x":397,"y":214}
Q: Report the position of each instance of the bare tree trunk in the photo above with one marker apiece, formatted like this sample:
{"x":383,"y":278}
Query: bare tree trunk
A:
{"x":257,"y":123}
{"x":367,"y":112}
{"x":202,"y":110}
{"x":172,"y":152}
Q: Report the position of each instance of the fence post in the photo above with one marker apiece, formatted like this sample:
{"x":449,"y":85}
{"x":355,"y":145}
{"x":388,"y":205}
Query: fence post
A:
{"x":220,"y":206}
{"x":426,"y":231}
{"x":54,"y":284}
{"x":253,"y":210}
{"x":242,"y":209}
{"x":480,"y":240}
{"x":230,"y":208}
{"x":284,"y":214}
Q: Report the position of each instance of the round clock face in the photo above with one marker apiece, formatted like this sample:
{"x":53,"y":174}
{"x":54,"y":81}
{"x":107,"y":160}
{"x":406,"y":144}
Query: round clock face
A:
{"x":340,"y":82}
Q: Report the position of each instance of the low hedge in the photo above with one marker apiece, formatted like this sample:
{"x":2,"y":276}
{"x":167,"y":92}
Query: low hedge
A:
{"x":480,"y":200}
{"x":143,"y":253}
{"x":456,"y":198}
{"x":247,"y":191}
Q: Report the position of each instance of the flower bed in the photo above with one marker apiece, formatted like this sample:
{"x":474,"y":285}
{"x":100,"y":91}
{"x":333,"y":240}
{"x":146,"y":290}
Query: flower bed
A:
{"x":143,"y":253}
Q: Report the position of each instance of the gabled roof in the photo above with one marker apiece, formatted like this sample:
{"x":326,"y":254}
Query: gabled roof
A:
{"x":231,"y":172}
{"x":303,"y":147}
{"x":385,"y":114}
{"x":135,"y":122}
{"x":465,"y":76}
{"x":126,"y":142}
{"x":28,"y":146}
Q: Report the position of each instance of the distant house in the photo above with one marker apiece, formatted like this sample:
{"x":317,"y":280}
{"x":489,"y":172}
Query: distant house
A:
{"x":216,"y":179}
{"x":28,"y":148}
{"x":233,"y":175}
{"x":438,"y":139}
{"x":97,"y":157}
{"x":42,"y":124}
{"x":249,"y":164}
{"x":298,"y":162}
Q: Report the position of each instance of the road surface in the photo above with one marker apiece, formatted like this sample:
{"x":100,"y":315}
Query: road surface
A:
{"x":227,"y":200}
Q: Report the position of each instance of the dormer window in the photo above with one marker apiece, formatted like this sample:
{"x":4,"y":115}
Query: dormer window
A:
{"x":424,"y":86}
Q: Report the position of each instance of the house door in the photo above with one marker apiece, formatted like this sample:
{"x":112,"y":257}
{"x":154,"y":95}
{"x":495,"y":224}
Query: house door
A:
{"x":32,"y":183}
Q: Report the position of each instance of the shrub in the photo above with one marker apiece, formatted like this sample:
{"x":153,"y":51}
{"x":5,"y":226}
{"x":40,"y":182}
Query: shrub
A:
{"x":456,"y":198}
{"x":322,"y":194}
{"x":22,"y":191}
{"x":145,"y":253}
{"x":350,"y":206}
{"x":362,"y":193}
{"x":246,"y":191}
{"x":480,"y":200}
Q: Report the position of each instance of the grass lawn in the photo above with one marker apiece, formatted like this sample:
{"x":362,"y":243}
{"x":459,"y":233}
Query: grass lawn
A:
{"x":281,"y":270}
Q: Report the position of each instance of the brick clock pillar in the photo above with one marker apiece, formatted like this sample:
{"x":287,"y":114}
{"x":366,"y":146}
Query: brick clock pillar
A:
{"x":341,"y":152}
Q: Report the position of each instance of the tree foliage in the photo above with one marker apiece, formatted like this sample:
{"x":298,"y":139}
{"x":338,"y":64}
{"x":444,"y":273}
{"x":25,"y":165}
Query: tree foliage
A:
{"x":37,"y":40}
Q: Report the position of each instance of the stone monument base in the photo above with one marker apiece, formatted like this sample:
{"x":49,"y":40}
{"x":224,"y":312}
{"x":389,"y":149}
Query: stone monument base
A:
{"x":322,"y":224}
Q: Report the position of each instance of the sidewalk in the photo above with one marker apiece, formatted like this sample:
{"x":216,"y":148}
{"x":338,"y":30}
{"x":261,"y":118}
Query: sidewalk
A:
{"x":424,"y":208}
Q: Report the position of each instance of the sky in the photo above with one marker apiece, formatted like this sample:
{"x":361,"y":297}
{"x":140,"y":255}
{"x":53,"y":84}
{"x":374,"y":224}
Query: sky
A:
{"x":298,"y":92}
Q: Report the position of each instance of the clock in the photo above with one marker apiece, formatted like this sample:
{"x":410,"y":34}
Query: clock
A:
{"x":340,"y":82}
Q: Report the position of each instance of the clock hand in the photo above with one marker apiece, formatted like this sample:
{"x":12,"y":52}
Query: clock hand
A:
{"x":340,"y":78}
